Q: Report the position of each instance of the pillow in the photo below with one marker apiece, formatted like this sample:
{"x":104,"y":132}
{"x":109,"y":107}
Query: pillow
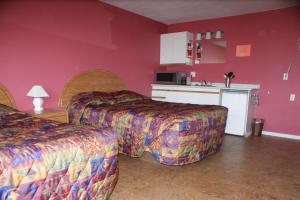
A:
{"x":91,"y":96}
{"x":96,"y":98}
{"x":80,"y":101}
{"x":126,"y":96}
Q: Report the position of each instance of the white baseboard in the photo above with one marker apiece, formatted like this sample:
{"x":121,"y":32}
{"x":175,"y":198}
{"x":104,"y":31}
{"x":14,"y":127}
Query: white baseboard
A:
{"x":281,"y":135}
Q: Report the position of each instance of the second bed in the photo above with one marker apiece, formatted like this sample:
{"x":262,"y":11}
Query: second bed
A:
{"x":174,"y":134}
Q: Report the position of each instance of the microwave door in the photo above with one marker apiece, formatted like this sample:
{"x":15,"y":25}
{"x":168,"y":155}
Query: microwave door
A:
{"x":166,"y":78}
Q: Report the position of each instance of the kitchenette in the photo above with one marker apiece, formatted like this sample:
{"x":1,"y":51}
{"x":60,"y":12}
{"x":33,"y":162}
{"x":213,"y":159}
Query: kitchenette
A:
{"x":240,"y":99}
{"x":184,"y":49}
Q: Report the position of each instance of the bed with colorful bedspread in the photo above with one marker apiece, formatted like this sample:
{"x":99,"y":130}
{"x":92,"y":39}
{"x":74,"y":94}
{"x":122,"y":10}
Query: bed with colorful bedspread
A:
{"x":175,"y":134}
{"x":42,"y":159}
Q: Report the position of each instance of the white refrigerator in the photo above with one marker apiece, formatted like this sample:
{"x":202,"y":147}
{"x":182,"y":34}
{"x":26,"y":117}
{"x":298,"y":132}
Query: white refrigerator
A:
{"x":240,"y":111}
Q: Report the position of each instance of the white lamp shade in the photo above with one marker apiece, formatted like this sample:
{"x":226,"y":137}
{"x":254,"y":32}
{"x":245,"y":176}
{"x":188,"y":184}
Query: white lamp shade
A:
{"x":37,"y":91}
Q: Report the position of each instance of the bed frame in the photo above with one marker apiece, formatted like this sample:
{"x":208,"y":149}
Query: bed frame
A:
{"x":92,"y":80}
{"x":6,"y":98}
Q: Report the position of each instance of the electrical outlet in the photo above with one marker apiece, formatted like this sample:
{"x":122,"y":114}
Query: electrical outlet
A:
{"x":285,"y":76}
{"x":292,"y":97}
{"x":193,"y":74}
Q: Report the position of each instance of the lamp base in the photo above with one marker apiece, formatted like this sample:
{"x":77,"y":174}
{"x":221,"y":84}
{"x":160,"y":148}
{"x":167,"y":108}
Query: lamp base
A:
{"x":38,"y":105}
{"x":38,"y":112}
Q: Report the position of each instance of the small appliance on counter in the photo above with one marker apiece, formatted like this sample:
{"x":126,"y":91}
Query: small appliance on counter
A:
{"x":171,"y":78}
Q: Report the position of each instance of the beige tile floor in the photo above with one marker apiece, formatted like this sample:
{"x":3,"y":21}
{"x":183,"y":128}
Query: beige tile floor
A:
{"x":252,"y":168}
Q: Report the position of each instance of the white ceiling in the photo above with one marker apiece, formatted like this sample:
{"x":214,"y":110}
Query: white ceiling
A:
{"x":176,"y":11}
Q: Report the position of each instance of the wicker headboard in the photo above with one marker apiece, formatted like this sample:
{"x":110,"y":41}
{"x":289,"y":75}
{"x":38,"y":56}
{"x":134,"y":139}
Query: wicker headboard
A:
{"x":6,"y":98}
{"x":93,"y":80}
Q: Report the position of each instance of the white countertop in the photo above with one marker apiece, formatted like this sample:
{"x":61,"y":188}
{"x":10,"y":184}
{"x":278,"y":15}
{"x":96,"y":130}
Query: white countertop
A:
{"x":233,"y":86}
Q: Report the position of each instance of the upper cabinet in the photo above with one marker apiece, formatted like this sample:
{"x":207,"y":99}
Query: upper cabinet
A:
{"x":176,"y":48}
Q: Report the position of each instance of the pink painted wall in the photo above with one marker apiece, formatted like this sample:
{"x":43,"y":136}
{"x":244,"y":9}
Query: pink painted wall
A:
{"x":47,"y":42}
{"x":273,"y":36}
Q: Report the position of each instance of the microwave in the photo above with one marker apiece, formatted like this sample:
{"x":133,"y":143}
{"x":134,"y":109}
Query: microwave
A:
{"x":171,"y":78}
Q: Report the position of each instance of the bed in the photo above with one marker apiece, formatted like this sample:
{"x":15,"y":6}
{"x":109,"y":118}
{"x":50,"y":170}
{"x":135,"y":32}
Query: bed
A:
{"x":43,"y":159}
{"x":174,"y":134}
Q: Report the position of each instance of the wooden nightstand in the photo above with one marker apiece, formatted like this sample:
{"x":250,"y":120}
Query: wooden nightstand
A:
{"x":59,"y":115}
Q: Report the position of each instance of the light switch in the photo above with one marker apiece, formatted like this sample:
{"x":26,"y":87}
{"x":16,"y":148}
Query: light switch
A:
{"x":285,"y":76}
{"x":292,"y":97}
{"x":193,"y":74}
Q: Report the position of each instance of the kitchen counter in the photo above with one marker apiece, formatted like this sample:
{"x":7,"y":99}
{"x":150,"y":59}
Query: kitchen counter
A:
{"x":238,"y":99}
{"x":197,"y":85}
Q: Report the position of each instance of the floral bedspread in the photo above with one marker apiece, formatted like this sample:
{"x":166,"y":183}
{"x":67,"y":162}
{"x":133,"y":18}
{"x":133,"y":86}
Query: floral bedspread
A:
{"x":42,"y":159}
{"x":175,"y":134}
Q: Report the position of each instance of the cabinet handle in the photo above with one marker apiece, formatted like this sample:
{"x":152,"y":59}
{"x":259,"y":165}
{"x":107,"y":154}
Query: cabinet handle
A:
{"x":202,"y":92}
{"x":158,"y":97}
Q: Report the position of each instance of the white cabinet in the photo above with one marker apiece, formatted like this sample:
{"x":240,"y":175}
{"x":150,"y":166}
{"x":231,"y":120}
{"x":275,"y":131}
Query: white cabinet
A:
{"x":174,"y":48}
{"x":240,"y":111}
{"x":193,"y":97}
{"x":186,"y":94}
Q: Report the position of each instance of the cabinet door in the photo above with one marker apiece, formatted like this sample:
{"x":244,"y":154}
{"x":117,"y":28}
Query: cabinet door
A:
{"x":173,"y":48}
{"x":165,"y":49}
{"x":236,"y":102}
{"x":200,"y":98}
{"x":158,"y":95}
{"x":179,"y":47}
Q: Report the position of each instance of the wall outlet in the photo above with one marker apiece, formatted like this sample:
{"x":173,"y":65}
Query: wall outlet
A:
{"x":193,"y":74}
{"x":285,"y":76}
{"x":292,"y":97}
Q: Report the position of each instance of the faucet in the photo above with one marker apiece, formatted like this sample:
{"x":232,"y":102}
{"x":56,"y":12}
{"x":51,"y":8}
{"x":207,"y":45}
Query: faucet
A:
{"x":203,"y":83}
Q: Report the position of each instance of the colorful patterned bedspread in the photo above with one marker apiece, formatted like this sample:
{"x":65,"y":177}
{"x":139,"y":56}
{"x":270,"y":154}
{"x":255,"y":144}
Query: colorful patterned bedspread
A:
{"x":42,"y":159}
{"x":175,"y":134}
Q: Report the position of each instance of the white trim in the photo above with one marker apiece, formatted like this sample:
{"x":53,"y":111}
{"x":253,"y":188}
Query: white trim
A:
{"x":281,"y":135}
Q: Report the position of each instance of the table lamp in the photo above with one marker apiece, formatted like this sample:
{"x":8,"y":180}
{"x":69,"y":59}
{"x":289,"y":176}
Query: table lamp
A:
{"x":38,"y":92}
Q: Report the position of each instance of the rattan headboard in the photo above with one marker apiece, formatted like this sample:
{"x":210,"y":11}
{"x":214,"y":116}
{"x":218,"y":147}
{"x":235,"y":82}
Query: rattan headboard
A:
{"x":6,"y":98}
{"x":93,"y":80}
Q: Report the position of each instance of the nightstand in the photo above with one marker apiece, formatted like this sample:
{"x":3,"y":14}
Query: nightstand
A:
{"x":59,"y":115}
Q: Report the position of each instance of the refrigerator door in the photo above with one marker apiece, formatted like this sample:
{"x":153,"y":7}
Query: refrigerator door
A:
{"x":237,"y":104}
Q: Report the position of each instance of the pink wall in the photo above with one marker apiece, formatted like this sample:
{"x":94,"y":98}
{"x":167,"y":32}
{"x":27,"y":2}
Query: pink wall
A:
{"x":47,"y":42}
{"x":273,"y":36}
